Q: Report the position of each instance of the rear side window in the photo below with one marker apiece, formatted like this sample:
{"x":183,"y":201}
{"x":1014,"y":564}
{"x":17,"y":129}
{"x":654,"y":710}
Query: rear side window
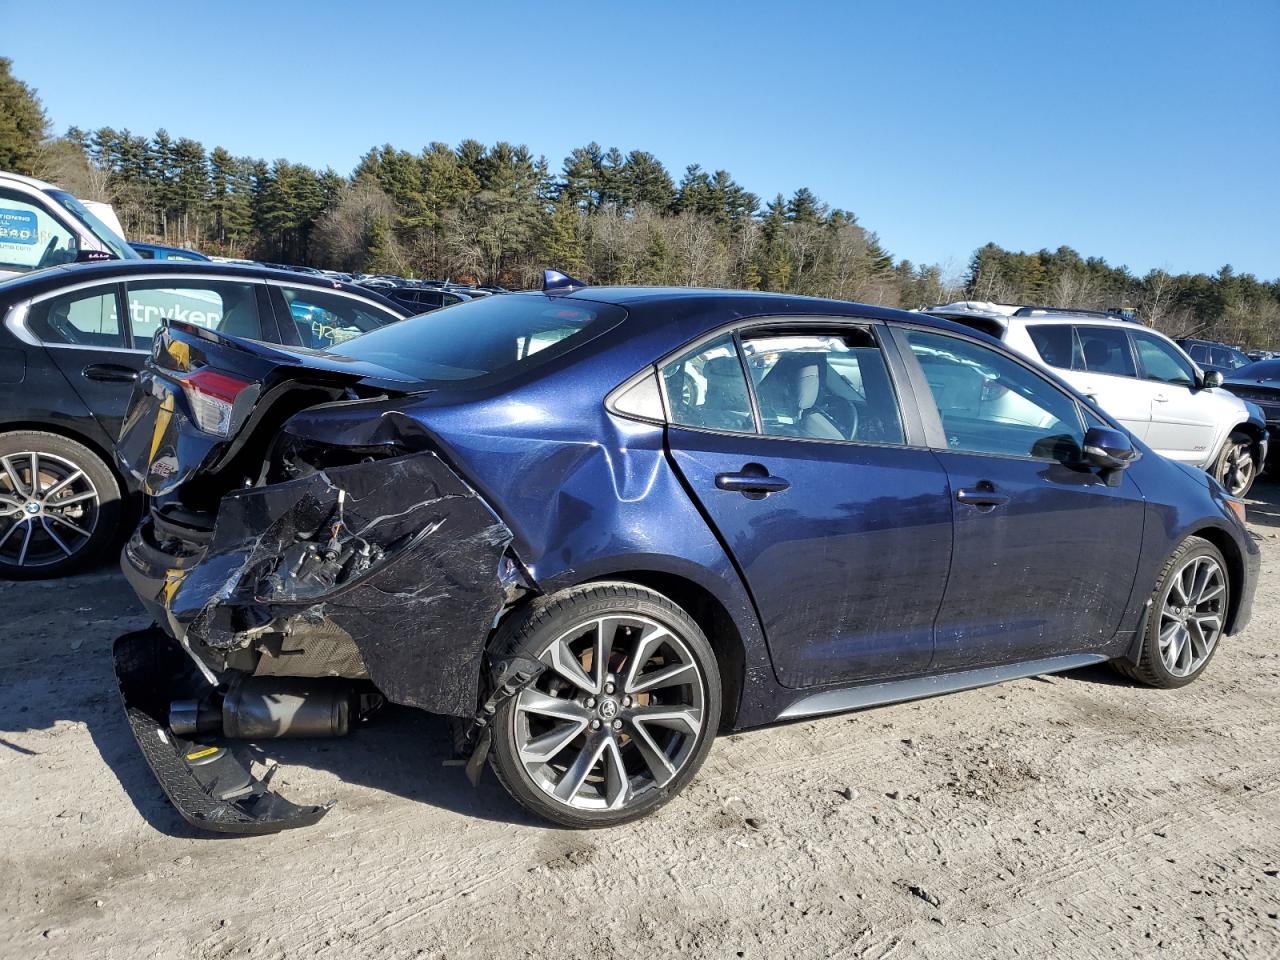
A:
{"x":707,"y":388}
{"x":85,"y":318}
{"x":30,"y":238}
{"x":326,"y":319}
{"x":827,"y":386}
{"x":1199,"y":353}
{"x":481,"y":343}
{"x":1057,"y":345}
{"x":221,"y":305}
{"x":1105,"y":350}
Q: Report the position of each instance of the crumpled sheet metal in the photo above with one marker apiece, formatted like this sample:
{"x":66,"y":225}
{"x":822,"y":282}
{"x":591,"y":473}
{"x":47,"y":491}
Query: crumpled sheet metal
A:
{"x":400,"y":554}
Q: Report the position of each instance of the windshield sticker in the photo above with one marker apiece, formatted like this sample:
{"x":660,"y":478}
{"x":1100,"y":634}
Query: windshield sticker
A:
{"x":18,"y":226}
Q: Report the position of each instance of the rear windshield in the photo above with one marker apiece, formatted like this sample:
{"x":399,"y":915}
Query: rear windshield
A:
{"x":484,"y":342}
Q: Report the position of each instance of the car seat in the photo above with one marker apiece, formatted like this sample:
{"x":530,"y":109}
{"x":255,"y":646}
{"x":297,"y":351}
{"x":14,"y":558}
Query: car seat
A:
{"x":789,"y":397}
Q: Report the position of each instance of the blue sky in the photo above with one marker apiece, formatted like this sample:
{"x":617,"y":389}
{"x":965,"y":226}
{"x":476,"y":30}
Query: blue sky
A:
{"x":1147,"y":133}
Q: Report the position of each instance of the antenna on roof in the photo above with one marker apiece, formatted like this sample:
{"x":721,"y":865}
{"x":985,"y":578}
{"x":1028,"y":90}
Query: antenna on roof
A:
{"x":553,"y":281}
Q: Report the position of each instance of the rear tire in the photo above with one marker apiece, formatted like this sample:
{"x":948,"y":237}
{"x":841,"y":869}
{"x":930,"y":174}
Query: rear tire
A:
{"x":1236,"y":468}
{"x":624,"y":714}
{"x":1188,"y":612}
{"x":66,"y":519}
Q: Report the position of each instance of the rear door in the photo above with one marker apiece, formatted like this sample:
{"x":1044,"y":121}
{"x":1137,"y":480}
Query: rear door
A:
{"x":89,"y":342}
{"x":1045,"y":552}
{"x":816,"y":479}
{"x":1183,"y":424}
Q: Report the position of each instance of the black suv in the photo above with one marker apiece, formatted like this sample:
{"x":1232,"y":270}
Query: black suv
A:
{"x":1214,"y":356}
{"x":72,"y":340}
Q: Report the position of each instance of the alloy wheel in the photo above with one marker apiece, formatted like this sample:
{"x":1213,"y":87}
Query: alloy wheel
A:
{"x":48,"y":509}
{"x":617,"y":714}
{"x":1238,"y":468}
{"x":1192,"y":615}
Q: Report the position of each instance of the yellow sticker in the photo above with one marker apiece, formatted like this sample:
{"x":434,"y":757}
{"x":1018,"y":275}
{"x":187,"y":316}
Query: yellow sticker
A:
{"x":207,"y":751}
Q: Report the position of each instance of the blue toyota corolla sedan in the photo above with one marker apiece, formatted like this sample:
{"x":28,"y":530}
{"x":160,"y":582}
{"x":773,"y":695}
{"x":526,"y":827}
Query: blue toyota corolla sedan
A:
{"x":597,"y":526}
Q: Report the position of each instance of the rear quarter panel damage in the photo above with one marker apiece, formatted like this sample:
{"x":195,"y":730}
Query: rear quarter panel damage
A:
{"x":399,"y":555}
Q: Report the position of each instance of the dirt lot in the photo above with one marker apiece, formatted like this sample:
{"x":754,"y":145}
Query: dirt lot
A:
{"x":1078,"y":815}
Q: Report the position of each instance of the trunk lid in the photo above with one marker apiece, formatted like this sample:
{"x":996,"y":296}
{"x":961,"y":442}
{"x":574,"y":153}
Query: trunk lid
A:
{"x":206,"y":405}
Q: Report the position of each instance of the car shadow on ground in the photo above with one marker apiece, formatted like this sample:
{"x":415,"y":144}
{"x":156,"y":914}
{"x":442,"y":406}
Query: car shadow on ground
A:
{"x":59,"y":676}
{"x":1262,"y":506}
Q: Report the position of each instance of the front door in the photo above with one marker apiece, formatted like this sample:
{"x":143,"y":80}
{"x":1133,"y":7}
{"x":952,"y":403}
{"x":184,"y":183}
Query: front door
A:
{"x":1183,"y":422}
{"x":1045,"y":552}
{"x":840,"y":526}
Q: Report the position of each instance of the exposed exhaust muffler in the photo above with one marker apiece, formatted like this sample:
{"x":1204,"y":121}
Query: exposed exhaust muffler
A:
{"x":266,"y":708}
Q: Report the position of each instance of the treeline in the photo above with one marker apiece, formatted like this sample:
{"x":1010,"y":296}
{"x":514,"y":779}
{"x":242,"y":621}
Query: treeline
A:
{"x":499,"y":214}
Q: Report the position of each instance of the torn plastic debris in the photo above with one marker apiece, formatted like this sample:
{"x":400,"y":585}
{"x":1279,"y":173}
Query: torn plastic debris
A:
{"x":208,"y":784}
{"x":397,"y":565}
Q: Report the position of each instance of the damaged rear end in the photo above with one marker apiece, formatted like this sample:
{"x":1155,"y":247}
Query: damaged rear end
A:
{"x":308,"y":549}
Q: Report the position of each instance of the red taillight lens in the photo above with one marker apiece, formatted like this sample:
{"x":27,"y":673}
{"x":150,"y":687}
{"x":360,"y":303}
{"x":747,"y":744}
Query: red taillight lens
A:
{"x":212,"y":396}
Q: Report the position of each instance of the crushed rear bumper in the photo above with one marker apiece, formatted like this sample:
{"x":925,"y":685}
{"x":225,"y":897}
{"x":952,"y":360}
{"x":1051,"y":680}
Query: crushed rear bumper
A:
{"x":209,"y":784}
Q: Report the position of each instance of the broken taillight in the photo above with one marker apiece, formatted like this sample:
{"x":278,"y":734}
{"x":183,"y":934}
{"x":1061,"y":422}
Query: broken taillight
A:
{"x":212,"y":397}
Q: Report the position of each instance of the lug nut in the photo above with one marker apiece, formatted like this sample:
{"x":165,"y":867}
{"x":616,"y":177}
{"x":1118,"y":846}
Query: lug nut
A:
{"x":626,"y":701}
{"x":608,"y":688}
{"x":595,"y":724}
{"x":591,"y":702}
{"x":617,"y":724}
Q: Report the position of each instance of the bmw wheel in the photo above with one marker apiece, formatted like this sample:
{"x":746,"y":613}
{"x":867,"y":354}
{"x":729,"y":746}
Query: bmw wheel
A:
{"x":623,"y":715}
{"x":1236,"y":469}
{"x":1188,"y":614}
{"x":59,"y":505}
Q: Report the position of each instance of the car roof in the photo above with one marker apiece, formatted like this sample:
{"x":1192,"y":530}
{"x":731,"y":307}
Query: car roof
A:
{"x":53,"y":278}
{"x":27,"y":181}
{"x":759,"y":302}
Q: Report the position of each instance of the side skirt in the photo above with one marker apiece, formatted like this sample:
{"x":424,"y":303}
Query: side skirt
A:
{"x":917,"y":688}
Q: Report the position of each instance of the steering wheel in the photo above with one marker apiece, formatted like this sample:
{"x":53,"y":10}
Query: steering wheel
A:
{"x":46,"y":258}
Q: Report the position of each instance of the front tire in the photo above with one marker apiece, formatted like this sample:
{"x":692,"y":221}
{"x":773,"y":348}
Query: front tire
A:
{"x":624,"y":714}
{"x":60,"y":505}
{"x":1236,"y":468}
{"x":1188,"y":612}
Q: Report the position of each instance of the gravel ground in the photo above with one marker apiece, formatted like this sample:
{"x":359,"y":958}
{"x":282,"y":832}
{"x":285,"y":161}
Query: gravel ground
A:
{"x":1077,"y":814}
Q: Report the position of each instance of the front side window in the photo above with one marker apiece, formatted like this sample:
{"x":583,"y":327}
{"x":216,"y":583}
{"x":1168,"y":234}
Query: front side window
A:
{"x":1162,"y":361}
{"x":1228,"y":358}
{"x":1105,"y":350}
{"x":990,"y":403}
{"x":220,"y":305}
{"x":707,"y":388}
{"x":30,"y":238}
{"x":829,"y":386}
{"x":85,"y":318}
{"x":326,"y":319}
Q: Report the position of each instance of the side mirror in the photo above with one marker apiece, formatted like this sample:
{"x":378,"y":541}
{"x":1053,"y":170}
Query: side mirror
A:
{"x":1109,"y":449}
{"x":1211,"y":379}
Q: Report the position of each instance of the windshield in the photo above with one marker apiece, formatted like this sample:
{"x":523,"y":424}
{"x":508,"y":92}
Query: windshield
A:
{"x":484,"y":342}
{"x":108,"y":237}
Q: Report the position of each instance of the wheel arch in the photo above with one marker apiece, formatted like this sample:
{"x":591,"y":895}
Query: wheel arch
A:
{"x":78,"y":436}
{"x":1227,"y":546}
{"x":713,"y":617}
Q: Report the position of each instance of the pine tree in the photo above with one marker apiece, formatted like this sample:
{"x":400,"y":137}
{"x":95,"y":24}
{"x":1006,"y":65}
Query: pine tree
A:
{"x":23,"y":123}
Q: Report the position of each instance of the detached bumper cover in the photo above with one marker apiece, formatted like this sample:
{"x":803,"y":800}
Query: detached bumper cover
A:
{"x":209,"y":785}
{"x":395,"y":568}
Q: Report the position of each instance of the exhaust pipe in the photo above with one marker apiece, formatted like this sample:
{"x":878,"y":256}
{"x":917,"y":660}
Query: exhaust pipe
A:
{"x":266,"y":708}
